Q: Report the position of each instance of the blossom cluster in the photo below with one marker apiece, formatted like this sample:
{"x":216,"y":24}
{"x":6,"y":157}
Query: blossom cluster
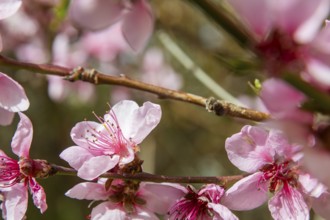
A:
{"x":283,"y":158}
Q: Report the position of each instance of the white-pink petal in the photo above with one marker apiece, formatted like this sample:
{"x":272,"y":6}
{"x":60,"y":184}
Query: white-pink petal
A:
{"x":138,"y":25}
{"x":260,"y":23}
{"x":95,"y":14}
{"x":246,"y":194}
{"x":15,"y":204}
{"x":9,"y":7}
{"x":12,"y":97}
{"x":247,"y":149}
{"x":22,"y":139}
{"x":136,"y":122}
{"x":76,"y":156}
{"x":89,"y":191}
{"x":39,"y":198}
{"x":82,"y":131}
{"x":161,"y":196}
{"x":288,"y":203}
{"x":96,"y":166}
{"x":6,"y":117}
{"x":223,"y":212}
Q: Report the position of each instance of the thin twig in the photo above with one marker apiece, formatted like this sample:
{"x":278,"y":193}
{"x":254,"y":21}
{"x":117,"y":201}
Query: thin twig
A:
{"x":147,"y":177}
{"x":95,"y":77}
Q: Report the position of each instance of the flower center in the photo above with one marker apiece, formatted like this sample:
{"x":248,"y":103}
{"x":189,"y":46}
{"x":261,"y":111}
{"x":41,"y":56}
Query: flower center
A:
{"x":9,"y":171}
{"x":278,"y":175}
{"x":193,"y":206}
{"x":280,"y":52}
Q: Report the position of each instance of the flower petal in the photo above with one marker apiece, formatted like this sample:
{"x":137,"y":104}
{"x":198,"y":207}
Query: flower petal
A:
{"x":22,"y":139}
{"x":321,"y":205}
{"x":222,"y":211}
{"x":95,"y":14}
{"x":96,"y":166}
{"x":6,"y":117}
{"x":38,"y":195}
{"x":138,"y":25}
{"x":13,"y":97}
{"x":288,"y":204}
{"x":81,"y":132}
{"x":246,"y":194}
{"x":107,"y":210}
{"x":260,"y":23}
{"x":136,"y":122}
{"x":89,"y":191}
{"x":247,"y":149}
{"x":15,"y":204}
{"x":9,"y":7}
{"x":161,"y":196}
{"x":76,"y":156}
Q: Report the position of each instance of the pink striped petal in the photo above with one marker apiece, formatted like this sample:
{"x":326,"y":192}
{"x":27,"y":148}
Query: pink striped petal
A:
{"x":22,"y":139}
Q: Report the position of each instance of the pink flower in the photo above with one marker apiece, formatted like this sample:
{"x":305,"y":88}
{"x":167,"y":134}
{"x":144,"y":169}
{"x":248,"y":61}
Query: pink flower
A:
{"x":136,"y":18}
{"x":274,"y":167}
{"x":12,"y":99}
{"x":284,"y":103}
{"x":288,"y":35}
{"x":7,"y":9}
{"x":102,"y":146}
{"x":204,"y":204}
{"x":120,"y":201}
{"x":16,"y":177}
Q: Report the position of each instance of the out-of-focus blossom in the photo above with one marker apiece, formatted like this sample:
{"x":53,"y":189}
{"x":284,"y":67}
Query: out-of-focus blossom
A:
{"x":17,"y":177}
{"x":274,"y":165}
{"x":12,"y":99}
{"x":204,"y":204}
{"x":105,"y":44}
{"x":113,"y":141}
{"x":136,"y":18}
{"x":120,"y":201}
{"x":288,"y":35}
{"x":284,"y":103}
{"x":69,"y":56}
{"x":155,"y":71}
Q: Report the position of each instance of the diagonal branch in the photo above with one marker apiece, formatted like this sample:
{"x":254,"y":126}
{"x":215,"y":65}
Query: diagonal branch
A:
{"x":219,"y":107}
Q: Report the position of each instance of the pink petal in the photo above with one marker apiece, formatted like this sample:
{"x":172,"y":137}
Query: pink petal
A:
{"x":300,"y":18}
{"x":108,"y":210}
{"x":161,"y":196}
{"x":279,"y":142}
{"x":9,"y":7}
{"x":247,"y":149}
{"x":288,"y":204}
{"x":260,"y":23}
{"x":138,"y":25}
{"x":136,"y":122}
{"x":38,"y":196}
{"x":279,"y":97}
{"x":321,"y":205}
{"x":315,"y":160}
{"x":222,"y":211}
{"x":12,"y":97}
{"x":76,"y":156}
{"x":319,"y":71}
{"x":95,"y":14}
{"x":81,"y":132}
{"x":246,"y":194}
{"x":89,"y":191}
{"x":16,"y":200}
{"x":22,"y":139}
{"x":311,"y":186}
{"x":96,"y":166}
{"x":6,"y":117}
{"x":143,"y":214}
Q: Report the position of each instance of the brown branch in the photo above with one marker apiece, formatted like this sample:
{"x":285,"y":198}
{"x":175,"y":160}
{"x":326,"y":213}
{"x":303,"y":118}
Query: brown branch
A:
{"x":147,"y":177}
{"x":90,"y":75}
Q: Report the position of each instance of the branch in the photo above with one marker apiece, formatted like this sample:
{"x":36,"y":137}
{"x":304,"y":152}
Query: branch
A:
{"x":147,"y":177}
{"x":95,"y":77}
